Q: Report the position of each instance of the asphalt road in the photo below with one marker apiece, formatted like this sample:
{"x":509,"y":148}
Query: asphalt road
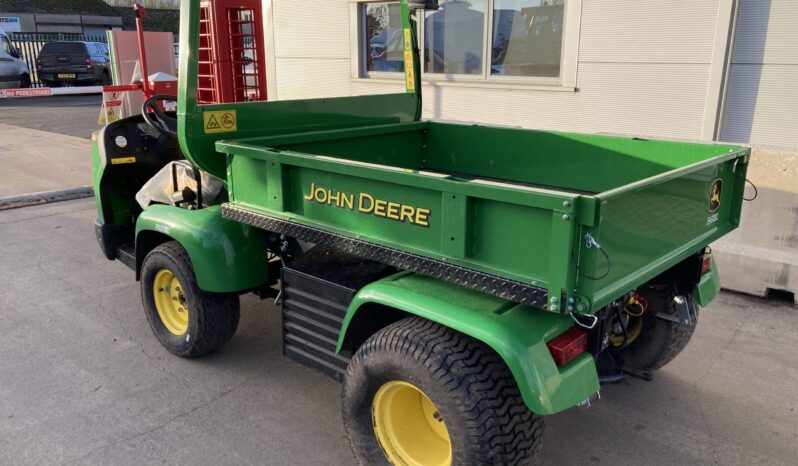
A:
{"x":72,"y":115}
{"x":83,"y":381}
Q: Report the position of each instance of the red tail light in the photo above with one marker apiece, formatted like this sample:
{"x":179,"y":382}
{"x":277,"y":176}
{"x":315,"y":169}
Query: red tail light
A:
{"x":567,"y":346}
{"x":89,"y":66}
{"x":38,"y":64}
{"x":706,"y":263}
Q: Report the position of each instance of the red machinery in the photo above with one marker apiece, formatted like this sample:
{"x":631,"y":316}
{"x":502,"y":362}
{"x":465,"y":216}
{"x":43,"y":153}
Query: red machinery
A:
{"x":231,"y":56}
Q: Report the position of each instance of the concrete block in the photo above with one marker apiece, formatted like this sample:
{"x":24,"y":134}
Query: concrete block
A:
{"x":762,"y":254}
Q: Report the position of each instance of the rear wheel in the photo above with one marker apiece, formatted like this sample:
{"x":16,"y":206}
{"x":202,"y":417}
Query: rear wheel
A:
{"x":420,"y":394}
{"x":656,"y":337}
{"x":187,"y":321}
{"x":24,"y":81}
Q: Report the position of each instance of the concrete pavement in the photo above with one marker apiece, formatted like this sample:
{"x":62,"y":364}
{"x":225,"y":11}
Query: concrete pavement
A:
{"x":34,"y":161}
{"x":72,"y":115}
{"x":83,"y":381}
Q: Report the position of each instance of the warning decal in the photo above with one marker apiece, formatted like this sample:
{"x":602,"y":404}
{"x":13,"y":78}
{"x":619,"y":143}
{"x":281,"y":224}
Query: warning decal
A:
{"x":222,"y":121}
{"x":123,"y":160}
{"x":112,"y":109}
{"x":30,"y":92}
{"x":410,"y":79}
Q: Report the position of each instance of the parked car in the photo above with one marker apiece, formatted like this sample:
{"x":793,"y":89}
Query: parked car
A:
{"x":73,"y":63}
{"x":13,"y":71}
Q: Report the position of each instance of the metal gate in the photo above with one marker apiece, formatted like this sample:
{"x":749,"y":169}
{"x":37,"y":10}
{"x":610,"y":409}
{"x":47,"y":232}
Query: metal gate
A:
{"x":30,"y":44}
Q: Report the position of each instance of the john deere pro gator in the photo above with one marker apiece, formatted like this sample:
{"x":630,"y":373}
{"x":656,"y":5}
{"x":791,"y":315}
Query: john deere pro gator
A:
{"x":461,"y":281}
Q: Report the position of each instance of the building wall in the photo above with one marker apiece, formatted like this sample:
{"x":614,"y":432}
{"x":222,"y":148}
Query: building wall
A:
{"x":154,"y":4}
{"x":760,"y":109}
{"x":71,"y":24}
{"x":761,"y":102}
{"x":644,"y":67}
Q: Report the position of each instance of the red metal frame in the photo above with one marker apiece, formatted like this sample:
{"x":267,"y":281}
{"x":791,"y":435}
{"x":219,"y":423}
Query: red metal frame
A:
{"x":232,"y":60}
{"x":146,"y":87}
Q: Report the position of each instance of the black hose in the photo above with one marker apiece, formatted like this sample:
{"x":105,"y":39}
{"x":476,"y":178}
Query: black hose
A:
{"x":756,"y":191}
{"x":416,"y":64}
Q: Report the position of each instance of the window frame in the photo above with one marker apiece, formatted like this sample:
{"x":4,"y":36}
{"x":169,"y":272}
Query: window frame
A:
{"x":360,"y":50}
{"x":569,"y":54}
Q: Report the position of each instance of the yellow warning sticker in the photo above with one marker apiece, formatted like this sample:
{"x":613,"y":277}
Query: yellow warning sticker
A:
{"x":221,"y":121}
{"x":408,"y":42}
{"x":123,"y":160}
{"x":410,"y":78}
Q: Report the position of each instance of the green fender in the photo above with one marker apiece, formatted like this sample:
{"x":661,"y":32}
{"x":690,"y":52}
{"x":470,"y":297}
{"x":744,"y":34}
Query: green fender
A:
{"x":516,"y":332}
{"x":226,"y":256}
{"x":708,"y":286}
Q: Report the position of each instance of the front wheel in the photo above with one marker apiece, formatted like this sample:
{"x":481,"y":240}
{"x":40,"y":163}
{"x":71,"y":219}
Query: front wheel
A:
{"x":420,"y":394}
{"x":187,"y":321}
{"x":656,"y":337}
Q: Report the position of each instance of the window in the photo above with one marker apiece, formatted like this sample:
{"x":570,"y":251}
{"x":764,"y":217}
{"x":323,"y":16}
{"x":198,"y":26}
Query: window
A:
{"x":453,"y":37}
{"x":521,"y":40}
{"x":527,"y":38}
{"x":6,"y":45}
{"x":381,"y":26}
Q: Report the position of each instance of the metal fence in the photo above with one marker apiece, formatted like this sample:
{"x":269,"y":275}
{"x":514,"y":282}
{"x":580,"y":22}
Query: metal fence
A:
{"x":30,"y":44}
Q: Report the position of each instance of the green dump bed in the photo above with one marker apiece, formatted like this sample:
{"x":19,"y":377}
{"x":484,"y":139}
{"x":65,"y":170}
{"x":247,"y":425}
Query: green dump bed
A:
{"x":503,"y":210}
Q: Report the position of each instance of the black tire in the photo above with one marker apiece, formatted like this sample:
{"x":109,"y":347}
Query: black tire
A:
{"x":24,"y":81}
{"x":212,"y":317}
{"x":469,"y":384}
{"x":660,"y":339}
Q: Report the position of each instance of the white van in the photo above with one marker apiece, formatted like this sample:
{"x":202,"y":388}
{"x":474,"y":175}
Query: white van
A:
{"x":13,"y":70}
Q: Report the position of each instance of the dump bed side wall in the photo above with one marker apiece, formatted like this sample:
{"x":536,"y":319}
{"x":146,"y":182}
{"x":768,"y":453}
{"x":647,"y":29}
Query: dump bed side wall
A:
{"x":649,"y":228}
{"x":575,"y":162}
{"x":505,"y":238}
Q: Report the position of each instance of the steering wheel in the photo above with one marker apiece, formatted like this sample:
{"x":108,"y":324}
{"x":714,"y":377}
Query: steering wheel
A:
{"x":157,"y":118}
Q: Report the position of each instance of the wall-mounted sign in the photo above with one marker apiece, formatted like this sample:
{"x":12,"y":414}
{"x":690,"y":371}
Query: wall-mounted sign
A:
{"x":10,"y":24}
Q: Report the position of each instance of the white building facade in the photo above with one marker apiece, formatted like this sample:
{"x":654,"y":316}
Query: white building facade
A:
{"x":710,"y":70}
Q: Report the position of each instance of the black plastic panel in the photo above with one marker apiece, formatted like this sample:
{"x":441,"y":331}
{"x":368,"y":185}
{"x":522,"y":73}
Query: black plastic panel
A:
{"x":316,"y":291}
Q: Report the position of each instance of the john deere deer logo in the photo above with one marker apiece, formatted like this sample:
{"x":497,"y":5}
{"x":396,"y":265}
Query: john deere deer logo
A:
{"x":714,"y":194}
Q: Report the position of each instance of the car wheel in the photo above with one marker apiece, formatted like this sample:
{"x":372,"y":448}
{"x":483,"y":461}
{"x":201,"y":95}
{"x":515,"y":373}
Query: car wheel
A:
{"x":24,"y":81}
{"x":187,"y":321}
{"x":418,"y":393}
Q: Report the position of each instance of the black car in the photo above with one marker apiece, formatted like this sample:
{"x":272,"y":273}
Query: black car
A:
{"x":73,"y":63}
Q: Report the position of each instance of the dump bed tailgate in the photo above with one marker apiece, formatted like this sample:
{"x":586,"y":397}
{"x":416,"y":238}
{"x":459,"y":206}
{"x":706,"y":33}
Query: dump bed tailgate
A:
{"x":647,"y":227}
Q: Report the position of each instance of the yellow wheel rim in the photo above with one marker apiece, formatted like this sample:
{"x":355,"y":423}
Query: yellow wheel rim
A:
{"x":633,"y":331}
{"x":409,"y":427}
{"x":170,"y":302}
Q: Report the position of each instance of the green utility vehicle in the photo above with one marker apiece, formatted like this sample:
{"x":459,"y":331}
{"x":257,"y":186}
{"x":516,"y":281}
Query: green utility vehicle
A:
{"x":462,"y":281}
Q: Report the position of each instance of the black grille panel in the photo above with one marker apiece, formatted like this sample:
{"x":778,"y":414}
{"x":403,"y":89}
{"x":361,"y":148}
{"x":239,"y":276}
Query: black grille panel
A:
{"x":317,"y":289}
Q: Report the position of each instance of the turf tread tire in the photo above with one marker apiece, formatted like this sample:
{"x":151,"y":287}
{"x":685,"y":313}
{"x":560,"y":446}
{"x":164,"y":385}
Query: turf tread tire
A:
{"x":489,"y":424}
{"x":213,"y":317}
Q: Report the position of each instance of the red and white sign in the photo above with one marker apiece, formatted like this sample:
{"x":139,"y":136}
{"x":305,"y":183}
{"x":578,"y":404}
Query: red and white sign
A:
{"x":112,"y":108}
{"x":31,"y":92}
